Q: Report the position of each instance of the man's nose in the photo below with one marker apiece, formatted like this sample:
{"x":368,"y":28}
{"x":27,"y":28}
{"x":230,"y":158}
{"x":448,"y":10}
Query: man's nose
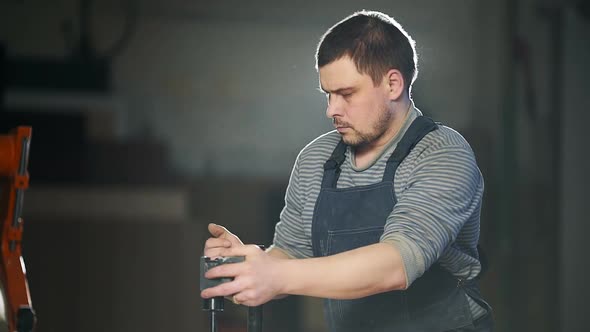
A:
{"x":334,"y":107}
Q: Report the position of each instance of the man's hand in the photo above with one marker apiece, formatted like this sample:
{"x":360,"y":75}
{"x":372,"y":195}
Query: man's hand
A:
{"x":256,"y":280}
{"x":222,"y":240}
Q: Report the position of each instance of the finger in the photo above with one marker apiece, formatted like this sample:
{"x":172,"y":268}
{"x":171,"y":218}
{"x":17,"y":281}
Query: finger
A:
{"x":225,"y":289}
{"x":225,"y":270}
{"x":248,"y":297}
{"x":245,"y":250}
{"x":216,"y":252}
{"x":241,"y":298}
{"x":214,"y":242}
{"x":217,"y":230}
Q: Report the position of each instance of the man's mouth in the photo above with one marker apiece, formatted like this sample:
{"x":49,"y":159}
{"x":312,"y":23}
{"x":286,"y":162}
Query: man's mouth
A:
{"x":341,"y":126}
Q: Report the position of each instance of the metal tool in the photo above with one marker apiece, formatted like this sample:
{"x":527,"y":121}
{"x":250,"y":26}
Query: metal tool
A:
{"x":18,"y":314}
{"x":216,"y":304}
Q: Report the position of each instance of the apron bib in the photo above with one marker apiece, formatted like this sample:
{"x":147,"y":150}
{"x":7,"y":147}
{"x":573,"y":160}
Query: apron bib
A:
{"x":349,"y":218}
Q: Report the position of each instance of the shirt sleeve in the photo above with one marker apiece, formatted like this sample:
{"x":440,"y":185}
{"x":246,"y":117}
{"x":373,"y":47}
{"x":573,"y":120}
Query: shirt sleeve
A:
{"x":443,"y":191}
{"x":289,"y":233}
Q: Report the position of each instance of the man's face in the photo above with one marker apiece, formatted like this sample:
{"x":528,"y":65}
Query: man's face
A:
{"x":359,"y":110}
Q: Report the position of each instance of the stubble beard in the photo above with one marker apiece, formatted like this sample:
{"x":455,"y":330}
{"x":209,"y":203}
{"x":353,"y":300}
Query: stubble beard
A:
{"x":379,"y":127}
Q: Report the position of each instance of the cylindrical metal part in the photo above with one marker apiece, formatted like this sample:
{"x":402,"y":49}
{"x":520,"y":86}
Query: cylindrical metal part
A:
{"x":24,"y":156}
{"x":213,"y":321}
{"x":213,"y":304}
{"x":255,"y":319}
{"x":18,"y":207}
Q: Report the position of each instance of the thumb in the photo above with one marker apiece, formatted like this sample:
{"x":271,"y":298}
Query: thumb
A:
{"x":216,"y":230}
{"x":222,"y":232}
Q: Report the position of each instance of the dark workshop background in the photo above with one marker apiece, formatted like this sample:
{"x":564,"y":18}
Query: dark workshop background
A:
{"x":152,"y":118}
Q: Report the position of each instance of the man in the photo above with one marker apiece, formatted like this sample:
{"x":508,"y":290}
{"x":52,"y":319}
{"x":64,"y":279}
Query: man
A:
{"x":382,"y":215}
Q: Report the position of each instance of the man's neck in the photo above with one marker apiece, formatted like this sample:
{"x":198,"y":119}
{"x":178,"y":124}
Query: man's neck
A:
{"x":366,"y":153}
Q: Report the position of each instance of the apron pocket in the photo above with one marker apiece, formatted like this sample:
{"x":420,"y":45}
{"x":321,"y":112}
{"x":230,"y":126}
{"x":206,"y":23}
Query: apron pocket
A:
{"x":347,"y":239}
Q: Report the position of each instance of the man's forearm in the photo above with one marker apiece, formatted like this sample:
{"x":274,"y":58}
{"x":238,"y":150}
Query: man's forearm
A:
{"x":278,"y":253}
{"x":353,"y":274}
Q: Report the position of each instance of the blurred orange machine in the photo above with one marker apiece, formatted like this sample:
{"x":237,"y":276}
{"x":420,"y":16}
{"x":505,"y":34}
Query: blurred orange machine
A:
{"x":17,"y":314}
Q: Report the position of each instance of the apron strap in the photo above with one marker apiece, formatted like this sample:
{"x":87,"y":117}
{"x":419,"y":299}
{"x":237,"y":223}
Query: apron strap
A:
{"x":332,"y":166}
{"x":471,"y":288}
{"x":418,"y":129}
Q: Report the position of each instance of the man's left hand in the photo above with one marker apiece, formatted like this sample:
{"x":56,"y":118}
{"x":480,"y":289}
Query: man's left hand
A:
{"x":256,"y":280}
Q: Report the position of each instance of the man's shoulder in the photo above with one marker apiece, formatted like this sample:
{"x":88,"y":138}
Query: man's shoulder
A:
{"x":444,"y":137}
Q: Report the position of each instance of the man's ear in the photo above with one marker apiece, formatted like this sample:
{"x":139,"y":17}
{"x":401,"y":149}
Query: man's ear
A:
{"x":394,"y":81}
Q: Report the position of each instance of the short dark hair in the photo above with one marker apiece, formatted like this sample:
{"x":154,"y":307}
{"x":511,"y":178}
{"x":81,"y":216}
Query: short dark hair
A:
{"x":375,"y":42}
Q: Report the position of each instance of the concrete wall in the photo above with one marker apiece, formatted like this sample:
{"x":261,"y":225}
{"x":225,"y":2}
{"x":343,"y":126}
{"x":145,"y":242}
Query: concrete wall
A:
{"x":219,"y":82}
{"x":574,"y":268}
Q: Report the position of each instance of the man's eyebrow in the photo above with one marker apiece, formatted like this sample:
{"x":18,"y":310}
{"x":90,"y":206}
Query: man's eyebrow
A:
{"x":337,"y":91}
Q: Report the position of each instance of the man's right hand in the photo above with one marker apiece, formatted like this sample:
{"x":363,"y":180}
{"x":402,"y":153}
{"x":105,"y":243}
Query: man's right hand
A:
{"x":222,"y":239}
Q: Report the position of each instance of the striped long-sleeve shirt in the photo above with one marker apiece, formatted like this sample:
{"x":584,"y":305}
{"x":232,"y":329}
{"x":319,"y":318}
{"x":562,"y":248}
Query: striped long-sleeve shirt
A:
{"x":439,"y":190}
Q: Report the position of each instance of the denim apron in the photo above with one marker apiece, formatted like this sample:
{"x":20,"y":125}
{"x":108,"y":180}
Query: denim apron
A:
{"x":346,"y":219}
